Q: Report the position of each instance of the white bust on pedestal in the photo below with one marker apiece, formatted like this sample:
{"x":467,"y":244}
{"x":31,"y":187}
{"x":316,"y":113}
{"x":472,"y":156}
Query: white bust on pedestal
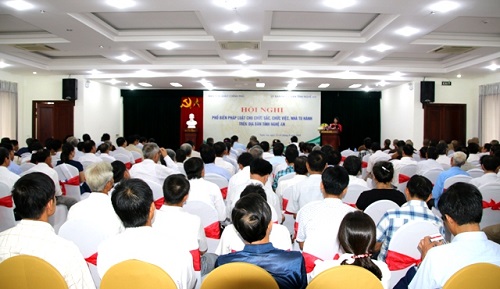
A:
{"x":191,"y":123}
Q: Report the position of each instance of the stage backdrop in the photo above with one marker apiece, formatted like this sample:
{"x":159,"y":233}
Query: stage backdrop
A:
{"x":265,"y":114}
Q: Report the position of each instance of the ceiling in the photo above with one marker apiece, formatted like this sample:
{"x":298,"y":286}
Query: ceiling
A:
{"x":70,"y":37}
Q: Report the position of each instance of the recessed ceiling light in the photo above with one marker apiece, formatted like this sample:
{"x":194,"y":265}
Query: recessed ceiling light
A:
{"x":236,"y":27}
{"x":381,"y":47}
{"x":145,"y":84}
{"x":175,"y":84}
{"x":121,"y":4}
{"x":407,"y":31}
{"x":19,"y":5}
{"x":245,"y":73}
{"x":339,"y":4}
{"x":355,"y":85}
{"x":94,"y":71}
{"x":230,"y":4}
{"x":382,"y":83}
{"x":243,"y":57}
{"x":124,"y":58}
{"x":34,"y":72}
{"x":208,"y":85}
{"x":311,"y":46}
{"x":324,"y":85}
{"x":367,"y":88}
{"x":260,"y":84}
{"x":132,"y":86}
{"x":3,"y":64}
{"x":113,"y":81}
{"x":459,"y":75}
{"x":444,"y":6}
{"x":169,"y":45}
{"x":362,"y":59}
{"x":493,"y":67}
{"x":397,"y":74}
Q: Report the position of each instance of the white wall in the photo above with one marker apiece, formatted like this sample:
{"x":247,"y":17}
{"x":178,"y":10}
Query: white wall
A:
{"x":402,"y":113}
{"x":98,"y":108}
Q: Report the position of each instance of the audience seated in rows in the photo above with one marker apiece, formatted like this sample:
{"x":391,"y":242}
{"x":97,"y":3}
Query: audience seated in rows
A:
{"x":6,"y":176}
{"x":207,"y":154}
{"x":149,"y":168}
{"x":291,"y":153}
{"x":352,"y":164}
{"x":490,"y":165}
{"x":456,"y":161}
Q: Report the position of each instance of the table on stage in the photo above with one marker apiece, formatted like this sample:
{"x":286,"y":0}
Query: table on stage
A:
{"x":331,"y":137}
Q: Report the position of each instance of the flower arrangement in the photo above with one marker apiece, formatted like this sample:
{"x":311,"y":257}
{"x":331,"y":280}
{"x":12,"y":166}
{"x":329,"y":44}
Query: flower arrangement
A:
{"x":323,"y":126}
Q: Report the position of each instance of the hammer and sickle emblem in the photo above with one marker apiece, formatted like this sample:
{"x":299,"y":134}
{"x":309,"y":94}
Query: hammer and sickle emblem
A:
{"x":187,"y":102}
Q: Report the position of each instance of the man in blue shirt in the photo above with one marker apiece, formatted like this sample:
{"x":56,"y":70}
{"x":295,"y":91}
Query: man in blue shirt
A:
{"x":207,"y":154}
{"x":457,"y":160}
{"x":252,"y":219}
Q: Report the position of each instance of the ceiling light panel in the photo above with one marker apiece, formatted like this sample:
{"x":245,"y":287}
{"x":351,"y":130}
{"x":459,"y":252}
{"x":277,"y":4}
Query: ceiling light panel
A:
{"x":175,"y":84}
{"x":444,"y":6}
{"x":243,"y":57}
{"x":362,"y":59}
{"x":145,"y":84}
{"x":355,"y":85}
{"x":169,"y":45}
{"x":260,"y":84}
{"x":230,"y":4}
{"x":311,"y":46}
{"x":324,"y":85}
{"x":121,"y":4}
{"x":236,"y":27}
{"x":382,"y":47}
{"x":339,"y":4}
{"x":19,"y":5}
{"x":407,"y":31}
{"x":124,"y":58}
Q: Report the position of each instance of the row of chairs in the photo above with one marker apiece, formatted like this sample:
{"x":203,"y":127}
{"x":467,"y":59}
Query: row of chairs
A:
{"x":132,"y":274}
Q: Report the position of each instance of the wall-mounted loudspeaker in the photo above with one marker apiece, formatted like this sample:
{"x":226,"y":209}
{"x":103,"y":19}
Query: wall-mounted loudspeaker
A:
{"x":70,"y":89}
{"x":427,"y":91}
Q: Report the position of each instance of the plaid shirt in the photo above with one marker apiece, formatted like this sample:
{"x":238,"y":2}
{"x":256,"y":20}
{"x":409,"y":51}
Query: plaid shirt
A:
{"x":281,"y":173}
{"x":395,"y":218}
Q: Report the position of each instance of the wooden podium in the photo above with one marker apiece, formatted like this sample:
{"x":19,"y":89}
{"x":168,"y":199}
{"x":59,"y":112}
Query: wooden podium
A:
{"x":331,"y":137}
{"x":190,"y":134}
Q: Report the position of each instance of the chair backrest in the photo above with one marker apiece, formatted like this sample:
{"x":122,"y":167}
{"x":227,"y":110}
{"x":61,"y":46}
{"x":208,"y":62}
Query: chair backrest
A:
{"x":27,"y":272}
{"x":132,"y":274}
{"x":286,"y":177}
{"x":364,"y":165}
{"x":479,"y":275}
{"x":208,"y":215}
{"x":230,"y":276}
{"x":7,"y":219}
{"x":59,"y":217}
{"x":345,"y":277}
{"x":475,"y":173}
{"x":491,"y":204}
{"x":220,"y":181}
{"x":137,"y":156}
{"x":377,"y":209}
{"x":85,"y":164}
{"x":87,"y":235}
{"x":67,"y":173}
{"x":432,"y":174}
{"x":122,"y":158}
{"x":446,"y":166}
{"x":456,"y":179}
{"x":405,"y":173}
{"x":157,"y":193}
{"x":353,"y":192}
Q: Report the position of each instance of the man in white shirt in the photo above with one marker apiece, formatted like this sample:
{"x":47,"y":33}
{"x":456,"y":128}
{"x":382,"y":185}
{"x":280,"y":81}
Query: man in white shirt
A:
{"x":6,"y":176}
{"x":318,"y":222}
{"x":308,"y":190}
{"x":473,"y":153}
{"x":97,"y":207}
{"x":442,"y":157}
{"x":104,"y":150}
{"x":150,"y":169}
{"x":260,"y":171}
{"x":461,"y":208}
{"x":241,"y":177}
{"x":34,"y":197}
{"x":300,"y":167}
{"x":220,"y":150}
{"x":121,"y":143}
{"x":202,"y":190}
{"x":489,"y":164}
{"x":430,"y":161}
{"x":173,"y":222}
{"x":133,"y":202}
{"x":89,"y":153}
{"x":352,"y":164}
{"x":407,"y":159}
{"x":377,"y":156}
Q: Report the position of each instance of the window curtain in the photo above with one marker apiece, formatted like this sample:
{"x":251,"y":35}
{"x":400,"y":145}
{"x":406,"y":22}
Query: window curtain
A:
{"x":489,"y":111}
{"x":8,"y":109}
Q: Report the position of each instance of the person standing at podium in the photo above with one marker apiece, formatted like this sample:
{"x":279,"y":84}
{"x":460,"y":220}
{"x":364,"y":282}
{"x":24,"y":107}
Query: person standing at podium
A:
{"x":335,"y":125}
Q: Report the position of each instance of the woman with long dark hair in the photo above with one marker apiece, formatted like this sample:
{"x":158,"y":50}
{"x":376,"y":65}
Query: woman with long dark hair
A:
{"x":67,"y":155}
{"x":357,"y":238}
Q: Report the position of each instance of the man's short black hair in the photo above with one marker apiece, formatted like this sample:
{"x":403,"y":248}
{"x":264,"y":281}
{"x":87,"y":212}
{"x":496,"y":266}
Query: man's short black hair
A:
{"x":86,"y":137}
{"x":40,"y":156}
{"x":300,"y":165}
{"x":254,"y":189}
{"x":219,"y":148}
{"x":291,"y":153}
{"x":245,"y":159}
{"x":333,"y":156}
{"x":490,"y":163}
{"x":119,"y":170}
{"x":441,"y":148}
{"x":31,"y":194}
{"x":132,"y":201}
{"x":251,"y":217}
{"x":180,"y":155}
{"x":463,"y":203}
{"x":260,"y":167}
{"x":4,"y":155}
{"x":265,"y":145}
{"x":120,"y":141}
{"x":103,"y":148}
{"x":294,"y":139}
{"x":335,"y":180}
{"x":105,"y":137}
{"x":473,"y":148}
{"x":408,"y":150}
{"x":316,"y":161}
{"x":420,"y":187}
{"x":193,"y":168}
{"x":207,"y":153}
{"x":352,"y":164}
{"x":175,"y":188}
{"x":432,"y":153}
{"x":88,"y":145}
{"x":278,"y":149}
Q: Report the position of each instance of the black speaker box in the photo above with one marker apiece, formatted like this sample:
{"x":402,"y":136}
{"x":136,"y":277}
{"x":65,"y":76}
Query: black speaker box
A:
{"x":427,"y":91}
{"x":70,"y":89}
